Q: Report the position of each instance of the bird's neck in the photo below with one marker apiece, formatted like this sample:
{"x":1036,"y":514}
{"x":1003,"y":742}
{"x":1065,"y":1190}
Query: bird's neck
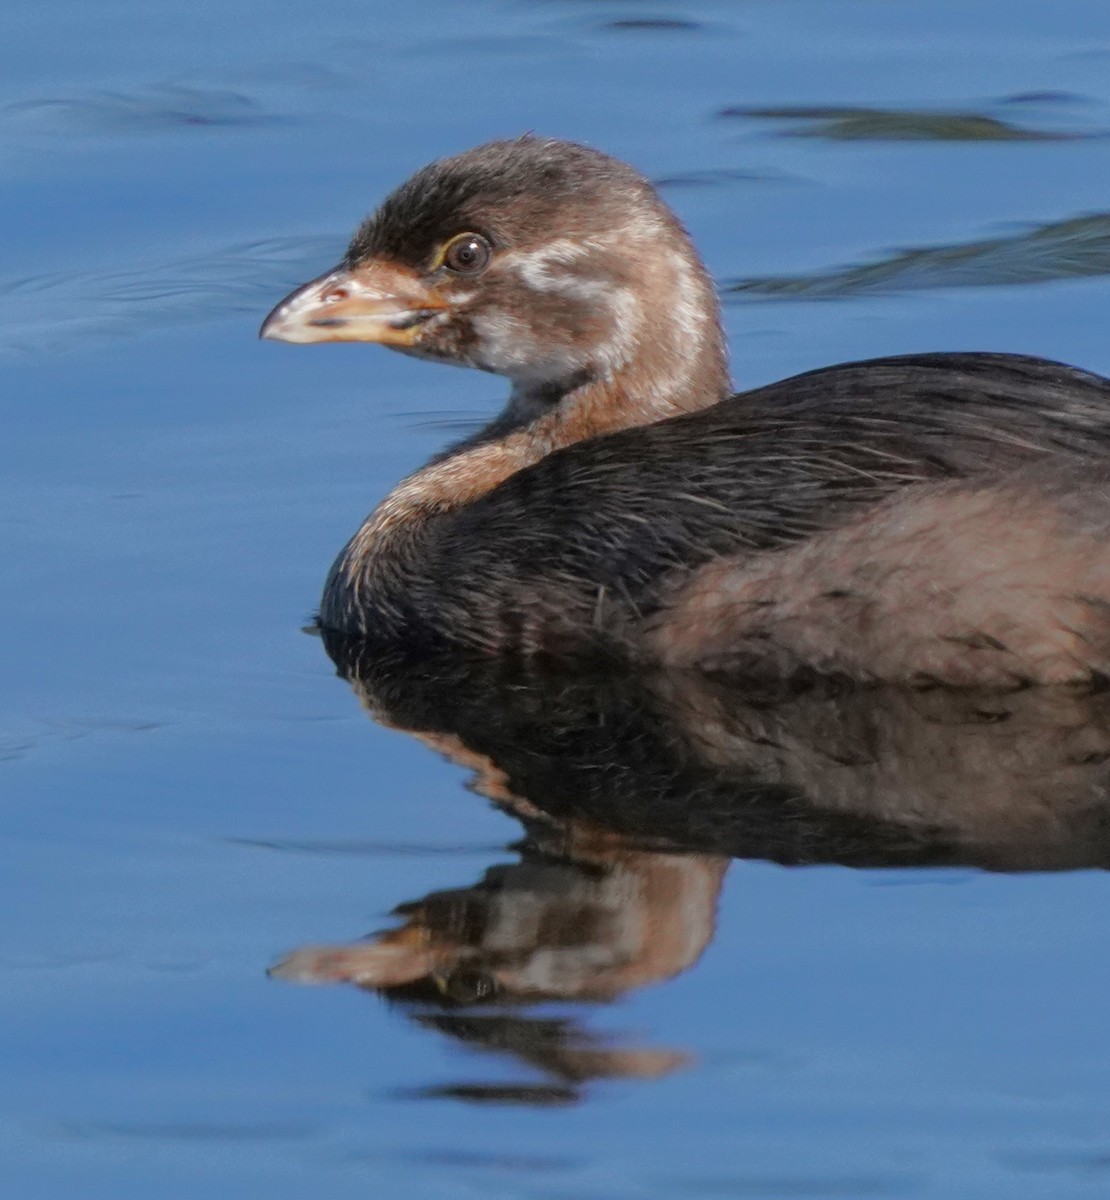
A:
{"x":674,"y":364}
{"x":538,"y":421}
{"x":659,"y":379}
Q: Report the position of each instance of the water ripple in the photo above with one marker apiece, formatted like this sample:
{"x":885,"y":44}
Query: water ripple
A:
{"x":157,"y":109}
{"x":1093,"y":1162}
{"x":1026,"y":117}
{"x":801,"y":1186}
{"x":653,"y":25}
{"x":1074,"y":248}
{"x":718,"y":176}
{"x":529,"y":1095}
{"x":55,"y":311}
{"x":358,"y":848}
{"x":204,"y":1131}
{"x":15,"y":745}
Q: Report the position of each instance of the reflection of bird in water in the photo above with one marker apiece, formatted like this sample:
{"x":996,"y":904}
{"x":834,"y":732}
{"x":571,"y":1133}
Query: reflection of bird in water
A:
{"x":878,"y":519}
{"x":582,"y":916}
{"x":798,"y":772}
{"x":635,"y":789}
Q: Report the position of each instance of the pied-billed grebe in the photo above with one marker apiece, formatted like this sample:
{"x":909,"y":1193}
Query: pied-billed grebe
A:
{"x":624,"y":499}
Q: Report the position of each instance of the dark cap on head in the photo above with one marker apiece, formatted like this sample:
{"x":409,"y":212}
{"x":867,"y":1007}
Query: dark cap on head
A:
{"x":514,"y":192}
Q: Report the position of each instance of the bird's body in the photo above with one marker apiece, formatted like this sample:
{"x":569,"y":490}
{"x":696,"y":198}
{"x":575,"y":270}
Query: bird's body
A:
{"x":624,"y":502}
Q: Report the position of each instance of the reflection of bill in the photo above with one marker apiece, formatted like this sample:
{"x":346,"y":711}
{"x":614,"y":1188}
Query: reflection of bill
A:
{"x":590,"y":923}
{"x":581,"y":917}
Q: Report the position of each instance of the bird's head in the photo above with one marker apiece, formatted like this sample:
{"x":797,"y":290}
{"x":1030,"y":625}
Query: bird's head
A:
{"x":541,"y":260}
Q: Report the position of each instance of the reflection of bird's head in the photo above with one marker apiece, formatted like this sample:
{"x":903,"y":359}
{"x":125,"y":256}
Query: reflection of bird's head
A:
{"x":537,"y":259}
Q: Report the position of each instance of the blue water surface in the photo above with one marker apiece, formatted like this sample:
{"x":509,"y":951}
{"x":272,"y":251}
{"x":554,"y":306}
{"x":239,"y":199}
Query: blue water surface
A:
{"x":189,"y":792}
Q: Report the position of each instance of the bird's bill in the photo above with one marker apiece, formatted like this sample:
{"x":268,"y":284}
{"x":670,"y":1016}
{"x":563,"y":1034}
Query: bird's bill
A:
{"x":373,"y":302}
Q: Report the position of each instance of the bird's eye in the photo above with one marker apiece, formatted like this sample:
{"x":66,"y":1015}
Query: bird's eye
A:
{"x":467,"y":254}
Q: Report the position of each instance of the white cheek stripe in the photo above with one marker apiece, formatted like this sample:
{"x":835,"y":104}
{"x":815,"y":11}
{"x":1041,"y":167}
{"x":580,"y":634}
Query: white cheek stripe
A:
{"x":539,"y":269}
{"x":508,"y":346}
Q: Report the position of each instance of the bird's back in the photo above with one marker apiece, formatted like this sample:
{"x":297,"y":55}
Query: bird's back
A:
{"x":597,"y":532}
